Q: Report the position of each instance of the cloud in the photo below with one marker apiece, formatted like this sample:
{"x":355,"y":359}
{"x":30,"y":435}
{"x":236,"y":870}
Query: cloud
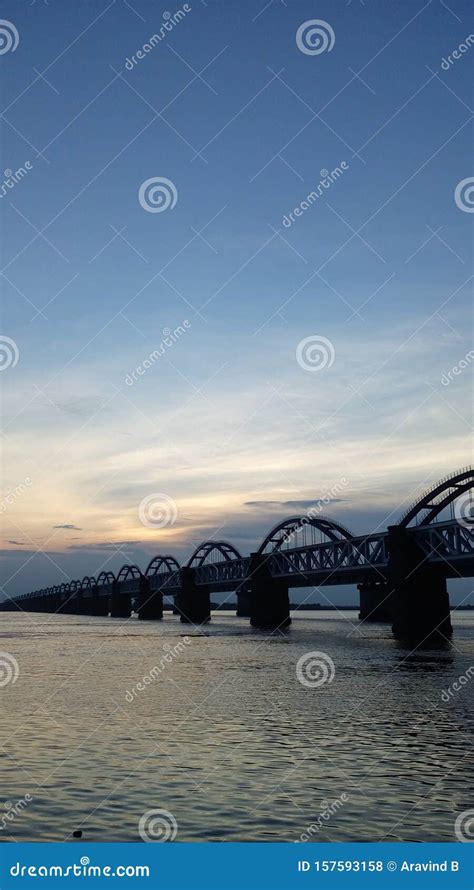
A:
{"x":69,"y":526}
{"x":302,"y":504}
{"x":19,"y":543}
{"x":110,"y":545}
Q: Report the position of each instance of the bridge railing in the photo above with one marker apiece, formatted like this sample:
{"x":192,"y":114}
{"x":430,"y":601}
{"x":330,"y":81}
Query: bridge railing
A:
{"x":370,"y":551}
{"x":445,"y":541}
{"x":130,"y":586}
{"x":223,"y":572}
{"x":165,"y":581}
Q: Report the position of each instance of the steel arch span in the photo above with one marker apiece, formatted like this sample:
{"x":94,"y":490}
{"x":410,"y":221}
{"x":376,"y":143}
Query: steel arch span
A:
{"x":105,"y":578}
{"x":221,"y":551}
{"x":302,"y":531}
{"x":128,"y":572}
{"x":445,"y":492}
{"x":161,"y":565}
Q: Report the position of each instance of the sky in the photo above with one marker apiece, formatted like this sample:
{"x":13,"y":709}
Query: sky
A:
{"x":307,"y":349}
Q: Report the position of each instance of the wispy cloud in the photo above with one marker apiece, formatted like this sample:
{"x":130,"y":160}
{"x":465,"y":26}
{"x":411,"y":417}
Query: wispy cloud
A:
{"x":298,"y":504}
{"x":69,"y":526}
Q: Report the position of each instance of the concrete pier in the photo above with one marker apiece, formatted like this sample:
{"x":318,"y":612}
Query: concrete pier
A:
{"x":193,"y":601}
{"x":421,"y":612}
{"x":150,"y":602}
{"x":375,"y":601}
{"x":244,"y":601}
{"x":120,"y":603}
{"x":96,"y":604}
{"x":269,"y":601}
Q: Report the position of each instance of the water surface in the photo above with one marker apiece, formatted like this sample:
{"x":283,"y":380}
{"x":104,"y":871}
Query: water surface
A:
{"x":225,"y":737}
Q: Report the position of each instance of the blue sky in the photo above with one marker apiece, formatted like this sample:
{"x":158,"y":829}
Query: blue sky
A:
{"x":242,"y":123}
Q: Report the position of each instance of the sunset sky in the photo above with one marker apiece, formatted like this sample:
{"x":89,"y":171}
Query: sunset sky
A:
{"x":225,"y":422}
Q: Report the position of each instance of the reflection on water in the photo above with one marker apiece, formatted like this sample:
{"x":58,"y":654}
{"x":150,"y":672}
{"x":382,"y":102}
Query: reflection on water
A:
{"x":221,"y":733}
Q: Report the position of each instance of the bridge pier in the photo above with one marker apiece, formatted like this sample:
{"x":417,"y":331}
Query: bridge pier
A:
{"x":68,"y":605}
{"x":150,"y":602}
{"x":269,"y":601}
{"x":375,"y":601}
{"x":244,"y":601}
{"x":10,"y":605}
{"x":421,"y":613}
{"x":120,"y":603}
{"x":81,"y":605}
{"x":95,"y":604}
{"x":193,"y":602}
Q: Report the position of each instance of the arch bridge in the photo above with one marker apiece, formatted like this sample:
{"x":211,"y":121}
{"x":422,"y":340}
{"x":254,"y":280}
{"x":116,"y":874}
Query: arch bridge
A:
{"x":401,"y":572}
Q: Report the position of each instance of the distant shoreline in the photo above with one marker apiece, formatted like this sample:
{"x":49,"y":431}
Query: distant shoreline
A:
{"x":309,"y":607}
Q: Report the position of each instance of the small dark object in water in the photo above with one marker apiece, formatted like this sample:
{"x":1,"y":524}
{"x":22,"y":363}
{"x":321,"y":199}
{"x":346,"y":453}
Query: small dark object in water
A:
{"x":77,"y":834}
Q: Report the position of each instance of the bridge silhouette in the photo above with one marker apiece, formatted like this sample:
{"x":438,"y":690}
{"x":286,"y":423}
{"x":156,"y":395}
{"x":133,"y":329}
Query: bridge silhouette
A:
{"x":401,"y":573}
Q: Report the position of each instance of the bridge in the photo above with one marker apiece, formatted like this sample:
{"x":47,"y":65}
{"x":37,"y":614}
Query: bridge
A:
{"x":401,"y":573}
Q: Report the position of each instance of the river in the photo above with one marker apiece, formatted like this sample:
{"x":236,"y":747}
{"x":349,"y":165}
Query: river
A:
{"x":109,"y":719}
